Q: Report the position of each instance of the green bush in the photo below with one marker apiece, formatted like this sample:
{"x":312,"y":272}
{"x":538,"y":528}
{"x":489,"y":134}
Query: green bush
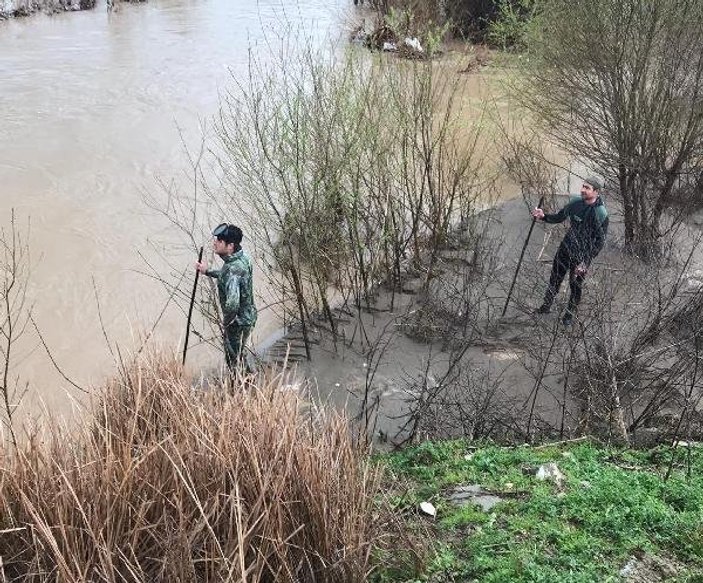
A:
{"x":509,"y":29}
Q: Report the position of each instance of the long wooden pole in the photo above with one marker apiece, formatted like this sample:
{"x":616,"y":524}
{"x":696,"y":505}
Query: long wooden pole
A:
{"x":522,"y":255}
{"x":190,"y":309}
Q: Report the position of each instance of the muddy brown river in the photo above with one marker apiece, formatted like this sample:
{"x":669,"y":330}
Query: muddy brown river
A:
{"x":93,"y":110}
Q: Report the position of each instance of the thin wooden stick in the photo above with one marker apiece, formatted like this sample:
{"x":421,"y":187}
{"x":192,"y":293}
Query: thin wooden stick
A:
{"x":190,"y":309}
{"x":522,"y":255}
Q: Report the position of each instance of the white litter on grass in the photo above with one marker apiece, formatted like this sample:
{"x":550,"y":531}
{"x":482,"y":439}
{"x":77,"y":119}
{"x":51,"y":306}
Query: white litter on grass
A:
{"x":686,"y":444}
{"x":629,"y":568}
{"x":428,"y":508}
{"x":550,"y":472}
{"x":413,"y":43}
{"x":390,"y":47}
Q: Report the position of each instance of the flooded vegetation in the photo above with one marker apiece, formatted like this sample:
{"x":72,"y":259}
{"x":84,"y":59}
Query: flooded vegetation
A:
{"x":371,"y":193}
{"x":128,"y":93}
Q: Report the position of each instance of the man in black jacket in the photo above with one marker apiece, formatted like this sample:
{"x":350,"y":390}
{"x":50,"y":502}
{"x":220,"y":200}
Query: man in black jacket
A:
{"x":585,"y":238}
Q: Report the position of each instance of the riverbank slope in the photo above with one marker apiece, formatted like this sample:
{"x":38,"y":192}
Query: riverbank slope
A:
{"x":435,"y":357}
{"x":20,"y":8}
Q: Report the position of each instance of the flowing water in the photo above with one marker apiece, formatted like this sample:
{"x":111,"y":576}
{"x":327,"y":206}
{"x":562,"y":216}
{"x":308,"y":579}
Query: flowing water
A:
{"x":94,"y":108}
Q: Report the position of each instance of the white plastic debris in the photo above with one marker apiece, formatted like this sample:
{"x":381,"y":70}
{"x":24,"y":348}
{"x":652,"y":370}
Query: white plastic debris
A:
{"x":629,"y":568}
{"x":686,"y":444}
{"x":413,"y":43}
{"x":428,"y":508}
{"x":390,"y":47}
{"x":504,"y":355}
{"x":550,"y":472}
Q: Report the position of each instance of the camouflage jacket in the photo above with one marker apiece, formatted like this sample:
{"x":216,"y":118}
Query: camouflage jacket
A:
{"x":235,"y":284}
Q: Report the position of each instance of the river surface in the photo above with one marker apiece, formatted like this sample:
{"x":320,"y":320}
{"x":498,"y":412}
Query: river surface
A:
{"x":94,"y":107}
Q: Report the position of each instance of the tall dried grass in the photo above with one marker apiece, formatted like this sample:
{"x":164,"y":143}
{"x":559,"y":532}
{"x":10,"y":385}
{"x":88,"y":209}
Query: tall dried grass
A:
{"x":170,"y":483}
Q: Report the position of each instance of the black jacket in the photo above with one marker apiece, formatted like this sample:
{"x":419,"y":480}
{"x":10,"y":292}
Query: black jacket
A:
{"x":589,"y":226}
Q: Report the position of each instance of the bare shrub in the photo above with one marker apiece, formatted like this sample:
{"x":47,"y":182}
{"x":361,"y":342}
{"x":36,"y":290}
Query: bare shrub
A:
{"x":629,"y":371}
{"x":456,"y":298}
{"x":478,"y":20}
{"x":343,"y":172}
{"x":472,"y":403}
{"x":15,"y":314}
{"x":527,"y":160}
{"x":172,"y":483}
{"x":630,"y":363}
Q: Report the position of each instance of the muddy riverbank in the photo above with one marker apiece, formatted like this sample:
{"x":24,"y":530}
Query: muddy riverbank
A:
{"x":21,"y":8}
{"x":442,"y":362}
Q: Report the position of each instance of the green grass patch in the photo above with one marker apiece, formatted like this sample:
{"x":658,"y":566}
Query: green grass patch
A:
{"x":614,"y":504}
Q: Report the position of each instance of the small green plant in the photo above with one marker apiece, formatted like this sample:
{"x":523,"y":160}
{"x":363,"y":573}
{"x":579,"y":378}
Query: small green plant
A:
{"x":400,"y":21}
{"x":509,"y":30}
{"x":434,"y":37}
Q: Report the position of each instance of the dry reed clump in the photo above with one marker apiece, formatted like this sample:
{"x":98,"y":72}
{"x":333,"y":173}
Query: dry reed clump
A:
{"x":170,"y":483}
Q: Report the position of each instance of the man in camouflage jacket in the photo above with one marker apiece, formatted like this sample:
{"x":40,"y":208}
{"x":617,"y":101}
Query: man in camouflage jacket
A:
{"x":235,"y":286}
{"x":585,"y":238}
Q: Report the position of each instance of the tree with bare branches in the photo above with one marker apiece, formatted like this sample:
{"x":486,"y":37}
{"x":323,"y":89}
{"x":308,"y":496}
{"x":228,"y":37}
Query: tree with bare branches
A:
{"x":620,"y":86}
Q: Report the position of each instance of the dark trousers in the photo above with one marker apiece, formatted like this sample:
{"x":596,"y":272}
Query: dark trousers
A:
{"x":564,"y":262}
{"x":235,"y":342}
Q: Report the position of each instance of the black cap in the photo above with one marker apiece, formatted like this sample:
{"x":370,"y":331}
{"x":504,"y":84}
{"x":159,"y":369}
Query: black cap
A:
{"x":228,"y":233}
